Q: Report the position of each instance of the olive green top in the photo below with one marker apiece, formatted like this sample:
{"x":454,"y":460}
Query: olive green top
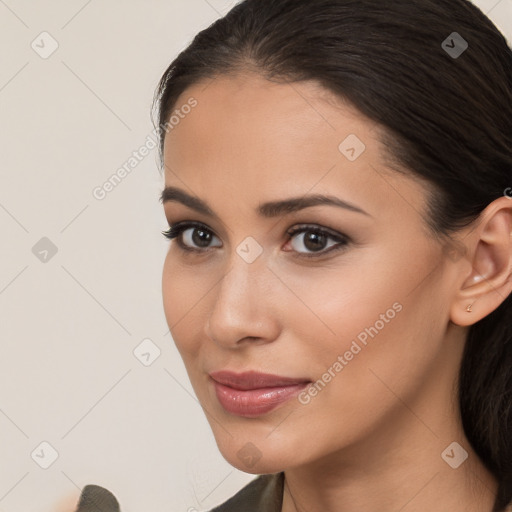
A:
{"x":262,"y":494}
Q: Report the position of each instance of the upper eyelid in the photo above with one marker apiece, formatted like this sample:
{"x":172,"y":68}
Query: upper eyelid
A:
{"x":296,"y":226}
{"x":316,"y":227}
{"x":292,"y":231}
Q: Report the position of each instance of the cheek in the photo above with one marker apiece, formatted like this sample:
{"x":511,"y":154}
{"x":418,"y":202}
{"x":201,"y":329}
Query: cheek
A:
{"x":376,"y":321}
{"x":336,"y":305}
{"x":183,"y":299}
{"x":388,"y":353}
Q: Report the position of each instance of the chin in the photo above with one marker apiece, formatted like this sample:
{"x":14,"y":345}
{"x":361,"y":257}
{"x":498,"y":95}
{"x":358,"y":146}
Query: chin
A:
{"x":253,"y":459}
{"x":259,"y":468}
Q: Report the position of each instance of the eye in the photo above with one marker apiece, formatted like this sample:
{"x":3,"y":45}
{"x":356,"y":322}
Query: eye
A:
{"x":314,"y":238}
{"x":195,"y":237}
{"x":197,"y":234}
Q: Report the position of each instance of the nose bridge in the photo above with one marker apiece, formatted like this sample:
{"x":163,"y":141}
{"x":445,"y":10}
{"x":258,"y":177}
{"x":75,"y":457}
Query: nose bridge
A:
{"x":239,"y":302}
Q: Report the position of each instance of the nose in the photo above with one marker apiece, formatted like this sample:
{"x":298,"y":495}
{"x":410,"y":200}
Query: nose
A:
{"x":244,"y":308}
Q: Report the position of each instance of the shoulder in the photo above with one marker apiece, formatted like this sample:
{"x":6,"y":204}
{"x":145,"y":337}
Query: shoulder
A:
{"x":262,"y":494}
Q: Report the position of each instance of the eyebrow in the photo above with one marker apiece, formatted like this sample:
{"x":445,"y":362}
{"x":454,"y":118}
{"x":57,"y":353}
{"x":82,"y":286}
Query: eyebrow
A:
{"x":269,"y":209}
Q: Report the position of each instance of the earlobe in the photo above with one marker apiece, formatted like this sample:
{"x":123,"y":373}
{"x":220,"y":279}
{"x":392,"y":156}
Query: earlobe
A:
{"x":490,"y":280}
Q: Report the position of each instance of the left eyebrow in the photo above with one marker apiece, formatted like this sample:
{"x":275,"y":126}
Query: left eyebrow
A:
{"x":268,"y":210}
{"x":276,"y":208}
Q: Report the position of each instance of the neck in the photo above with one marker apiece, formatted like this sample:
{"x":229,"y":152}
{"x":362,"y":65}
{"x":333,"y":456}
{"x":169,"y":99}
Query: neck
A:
{"x":400,"y":476}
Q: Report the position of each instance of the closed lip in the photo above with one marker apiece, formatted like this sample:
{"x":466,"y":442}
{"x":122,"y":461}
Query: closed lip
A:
{"x":254,"y":380}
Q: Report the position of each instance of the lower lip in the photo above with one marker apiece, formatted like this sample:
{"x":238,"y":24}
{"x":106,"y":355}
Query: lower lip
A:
{"x":255,"y":402}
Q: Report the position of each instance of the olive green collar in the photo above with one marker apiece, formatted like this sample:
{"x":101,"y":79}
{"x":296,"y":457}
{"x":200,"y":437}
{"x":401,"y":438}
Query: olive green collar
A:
{"x":262,"y":494}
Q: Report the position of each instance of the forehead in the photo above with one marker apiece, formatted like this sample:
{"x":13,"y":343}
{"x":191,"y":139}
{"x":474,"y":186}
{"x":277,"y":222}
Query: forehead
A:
{"x":258,"y":140}
{"x":246,"y":117}
{"x":280,"y":114}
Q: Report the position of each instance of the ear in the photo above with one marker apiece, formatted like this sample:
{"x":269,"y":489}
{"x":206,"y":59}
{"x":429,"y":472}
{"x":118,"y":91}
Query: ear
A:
{"x":488,"y":248}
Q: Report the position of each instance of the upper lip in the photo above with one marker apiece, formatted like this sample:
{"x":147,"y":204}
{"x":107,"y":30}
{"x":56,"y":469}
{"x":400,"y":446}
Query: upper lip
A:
{"x":253,"y":380}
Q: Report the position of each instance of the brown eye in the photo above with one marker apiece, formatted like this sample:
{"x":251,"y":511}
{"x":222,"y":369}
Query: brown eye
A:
{"x":315,"y":241}
{"x":198,"y":237}
{"x":191,"y":236}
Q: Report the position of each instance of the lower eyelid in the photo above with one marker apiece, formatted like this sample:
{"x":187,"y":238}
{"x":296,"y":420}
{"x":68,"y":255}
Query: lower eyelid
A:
{"x":340,"y":245}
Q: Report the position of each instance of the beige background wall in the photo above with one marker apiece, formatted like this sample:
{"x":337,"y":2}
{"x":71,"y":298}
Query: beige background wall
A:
{"x":70,"y":321}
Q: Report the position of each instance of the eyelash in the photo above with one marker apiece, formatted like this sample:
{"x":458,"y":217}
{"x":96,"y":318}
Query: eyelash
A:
{"x":176,"y":230}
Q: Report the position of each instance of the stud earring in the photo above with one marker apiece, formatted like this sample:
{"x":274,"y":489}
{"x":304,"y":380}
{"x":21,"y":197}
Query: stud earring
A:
{"x":469,"y":308}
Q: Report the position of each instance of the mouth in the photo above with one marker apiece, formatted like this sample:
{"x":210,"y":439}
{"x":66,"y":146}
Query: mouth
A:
{"x":252,"y":394}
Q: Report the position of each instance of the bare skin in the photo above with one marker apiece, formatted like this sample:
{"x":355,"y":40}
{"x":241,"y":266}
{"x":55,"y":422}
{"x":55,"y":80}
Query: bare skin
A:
{"x":372,"y":438}
{"x":68,"y":504}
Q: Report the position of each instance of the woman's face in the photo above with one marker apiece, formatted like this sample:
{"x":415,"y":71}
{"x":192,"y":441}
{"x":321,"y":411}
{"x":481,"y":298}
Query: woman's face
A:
{"x":363,"y":309}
